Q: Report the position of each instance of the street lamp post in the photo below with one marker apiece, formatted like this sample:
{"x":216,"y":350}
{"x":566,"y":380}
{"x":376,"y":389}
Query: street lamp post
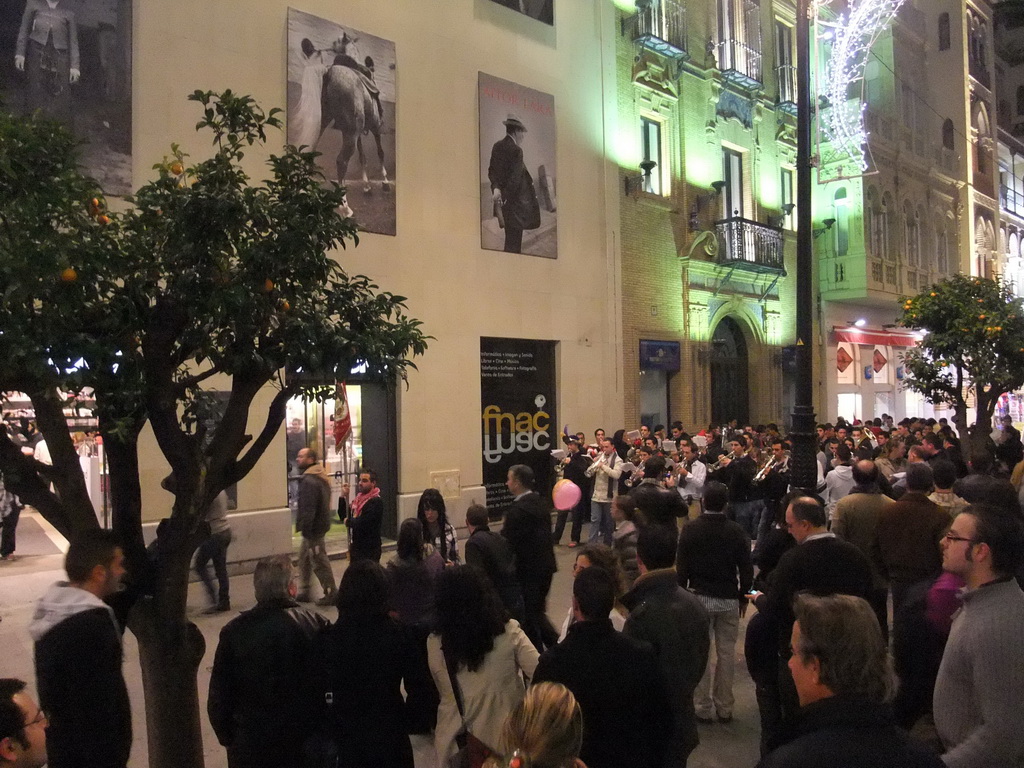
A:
{"x":804,"y":473}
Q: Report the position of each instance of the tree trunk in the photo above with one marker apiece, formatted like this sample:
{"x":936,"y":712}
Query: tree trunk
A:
{"x":170,"y":650}
{"x":125,"y":488}
{"x":963,"y":430}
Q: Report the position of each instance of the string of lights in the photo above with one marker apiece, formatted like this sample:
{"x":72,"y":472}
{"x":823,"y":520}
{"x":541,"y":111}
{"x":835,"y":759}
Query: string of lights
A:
{"x":853,"y":35}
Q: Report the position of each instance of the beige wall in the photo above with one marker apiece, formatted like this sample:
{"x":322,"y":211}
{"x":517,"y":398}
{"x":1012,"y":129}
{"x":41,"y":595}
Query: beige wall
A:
{"x":459,"y":291}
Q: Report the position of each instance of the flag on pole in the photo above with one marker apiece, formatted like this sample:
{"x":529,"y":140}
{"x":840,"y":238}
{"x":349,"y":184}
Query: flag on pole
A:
{"x":342,"y":416}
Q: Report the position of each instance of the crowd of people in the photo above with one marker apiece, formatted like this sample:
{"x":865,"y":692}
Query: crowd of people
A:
{"x":887,"y":612}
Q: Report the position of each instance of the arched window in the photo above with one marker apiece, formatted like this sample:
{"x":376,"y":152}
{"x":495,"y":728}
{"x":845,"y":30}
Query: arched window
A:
{"x":911,"y":238}
{"x":948,"y":139}
{"x":842,"y":225}
{"x":944,"y":43}
{"x":885,"y":219}
{"x":941,"y":251}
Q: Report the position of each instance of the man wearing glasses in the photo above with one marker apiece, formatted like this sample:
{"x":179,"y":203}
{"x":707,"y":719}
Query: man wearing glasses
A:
{"x":22,"y":727}
{"x":978,"y":690}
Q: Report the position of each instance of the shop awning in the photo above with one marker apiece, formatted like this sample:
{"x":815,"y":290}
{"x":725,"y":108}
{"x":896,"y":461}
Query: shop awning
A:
{"x":881,"y":338}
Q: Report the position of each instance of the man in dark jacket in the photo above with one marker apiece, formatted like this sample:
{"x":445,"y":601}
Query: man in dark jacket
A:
{"x":615,"y":679}
{"x":713,"y":561}
{"x":512,"y":190}
{"x":672,"y":620}
{"x":255,"y":703}
{"x":908,"y":535}
{"x":365,"y":515}
{"x":313,"y":521}
{"x":493,"y":555}
{"x":78,"y":659}
{"x":528,"y":530}
{"x":821,"y":564}
{"x":574,"y":469}
{"x":840,"y":668}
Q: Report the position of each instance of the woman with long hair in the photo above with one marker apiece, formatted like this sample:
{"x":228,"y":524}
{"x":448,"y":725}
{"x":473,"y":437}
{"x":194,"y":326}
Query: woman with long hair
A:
{"x":431,"y":513}
{"x":358,"y":668}
{"x":411,"y":574}
{"x":545,"y":730}
{"x":478,"y":658}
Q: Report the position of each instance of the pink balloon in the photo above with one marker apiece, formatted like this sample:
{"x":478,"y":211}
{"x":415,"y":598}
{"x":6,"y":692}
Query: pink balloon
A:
{"x":566,"y":495}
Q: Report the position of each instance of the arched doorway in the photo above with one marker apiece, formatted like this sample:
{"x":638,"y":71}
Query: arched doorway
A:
{"x":729,"y":391}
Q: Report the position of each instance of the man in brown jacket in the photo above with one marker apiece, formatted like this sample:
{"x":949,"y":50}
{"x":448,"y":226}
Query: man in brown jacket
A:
{"x":909,"y":532}
{"x":313,"y":521}
{"x":856,"y":520}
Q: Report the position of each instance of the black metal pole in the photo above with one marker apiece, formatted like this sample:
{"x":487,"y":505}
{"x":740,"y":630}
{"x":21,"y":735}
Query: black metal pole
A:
{"x":804,"y":473}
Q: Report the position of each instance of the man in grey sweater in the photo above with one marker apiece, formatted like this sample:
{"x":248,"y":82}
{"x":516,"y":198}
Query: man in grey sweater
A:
{"x":978,"y":690}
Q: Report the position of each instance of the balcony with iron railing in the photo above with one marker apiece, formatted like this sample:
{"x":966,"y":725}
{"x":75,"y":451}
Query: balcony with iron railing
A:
{"x":1011,"y":200}
{"x":786,"y":74}
{"x":659,"y":26}
{"x":740,"y":63}
{"x":750,"y":245}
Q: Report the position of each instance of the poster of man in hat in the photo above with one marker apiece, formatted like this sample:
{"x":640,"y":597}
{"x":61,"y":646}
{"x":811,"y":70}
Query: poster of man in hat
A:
{"x":517,"y":169}
{"x":71,"y":61}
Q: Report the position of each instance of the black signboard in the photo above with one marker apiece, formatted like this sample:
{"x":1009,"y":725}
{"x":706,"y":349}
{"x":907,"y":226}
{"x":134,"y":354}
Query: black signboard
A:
{"x":659,"y":355}
{"x":517,"y":396}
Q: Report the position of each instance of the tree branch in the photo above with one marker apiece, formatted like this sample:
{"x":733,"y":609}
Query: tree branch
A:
{"x":183,"y":385}
{"x":275,"y":416}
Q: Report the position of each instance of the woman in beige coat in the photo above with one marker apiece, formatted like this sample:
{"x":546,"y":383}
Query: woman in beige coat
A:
{"x":488,"y":653}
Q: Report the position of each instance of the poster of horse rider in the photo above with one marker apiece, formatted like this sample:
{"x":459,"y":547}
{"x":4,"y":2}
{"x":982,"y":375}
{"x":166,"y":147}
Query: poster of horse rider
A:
{"x":341,"y":102}
{"x":542,"y":10}
{"x":71,"y":60}
{"x":517,"y":169}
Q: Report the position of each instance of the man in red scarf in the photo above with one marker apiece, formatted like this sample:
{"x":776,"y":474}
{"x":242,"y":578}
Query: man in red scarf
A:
{"x":364,"y":519}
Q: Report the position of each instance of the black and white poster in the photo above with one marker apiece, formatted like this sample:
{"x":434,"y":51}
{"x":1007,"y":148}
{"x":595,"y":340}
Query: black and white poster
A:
{"x":341,"y":102}
{"x":542,"y":10}
{"x":517,"y":389}
{"x":71,"y":60}
{"x":518,"y":201}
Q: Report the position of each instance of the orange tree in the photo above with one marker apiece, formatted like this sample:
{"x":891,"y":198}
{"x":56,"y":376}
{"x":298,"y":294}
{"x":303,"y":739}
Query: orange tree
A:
{"x":973,"y":349}
{"x":179,"y":311}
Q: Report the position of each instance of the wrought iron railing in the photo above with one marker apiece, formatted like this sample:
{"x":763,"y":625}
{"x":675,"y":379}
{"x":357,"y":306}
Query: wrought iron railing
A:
{"x":740,"y":62}
{"x":743,"y":242}
{"x":659,"y":25}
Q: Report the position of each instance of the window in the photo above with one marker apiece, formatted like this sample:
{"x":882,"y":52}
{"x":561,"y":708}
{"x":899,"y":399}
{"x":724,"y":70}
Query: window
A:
{"x":650,"y":138}
{"x":842,"y":224}
{"x":739,"y":37}
{"x":911,"y":240}
{"x":941,"y":253}
{"x":788,"y":198}
{"x":784,"y":57}
{"x":732,"y":199}
{"x":948,"y":140}
{"x":1020,"y":99}
{"x":944,"y":43}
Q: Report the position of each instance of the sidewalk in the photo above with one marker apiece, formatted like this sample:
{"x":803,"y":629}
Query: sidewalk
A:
{"x":22,"y":582}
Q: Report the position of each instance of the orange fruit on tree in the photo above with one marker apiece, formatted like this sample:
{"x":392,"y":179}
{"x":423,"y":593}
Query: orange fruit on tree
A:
{"x":268,"y":285}
{"x":285,"y":306}
{"x":68,"y":275}
{"x":177,"y":168}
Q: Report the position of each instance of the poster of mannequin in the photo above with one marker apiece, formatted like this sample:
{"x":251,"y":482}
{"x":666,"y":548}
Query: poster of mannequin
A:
{"x":542,"y":10}
{"x":71,"y":61}
{"x":341,"y":102}
{"x":518,"y":203}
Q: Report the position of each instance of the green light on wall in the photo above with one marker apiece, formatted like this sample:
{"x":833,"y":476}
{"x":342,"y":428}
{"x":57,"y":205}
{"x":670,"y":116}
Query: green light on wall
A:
{"x":702,"y":168}
{"x":625,"y":5}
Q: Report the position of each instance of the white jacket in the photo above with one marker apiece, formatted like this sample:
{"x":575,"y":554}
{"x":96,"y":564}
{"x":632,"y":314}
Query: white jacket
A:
{"x":489,"y":694}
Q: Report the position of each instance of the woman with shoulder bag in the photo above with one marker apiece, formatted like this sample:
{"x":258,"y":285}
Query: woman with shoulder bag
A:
{"x":478,"y":658}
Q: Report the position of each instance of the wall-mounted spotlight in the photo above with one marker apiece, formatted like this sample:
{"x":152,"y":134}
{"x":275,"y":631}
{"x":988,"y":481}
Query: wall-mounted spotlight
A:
{"x":829,"y":223}
{"x":702,"y":201}
{"x":641,"y":181}
{"x":860,"y":322}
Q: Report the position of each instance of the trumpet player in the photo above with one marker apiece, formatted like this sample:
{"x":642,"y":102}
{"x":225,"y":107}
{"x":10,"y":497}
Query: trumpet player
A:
{"x":691,"y":474}
{"x":643,"y":455}
{"x":606,"y":470}
{"x":774,"y":484}
{"x":737,"y":471}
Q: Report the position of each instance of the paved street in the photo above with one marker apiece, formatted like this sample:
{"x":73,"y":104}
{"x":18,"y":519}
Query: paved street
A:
{"x":21,"y":582}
